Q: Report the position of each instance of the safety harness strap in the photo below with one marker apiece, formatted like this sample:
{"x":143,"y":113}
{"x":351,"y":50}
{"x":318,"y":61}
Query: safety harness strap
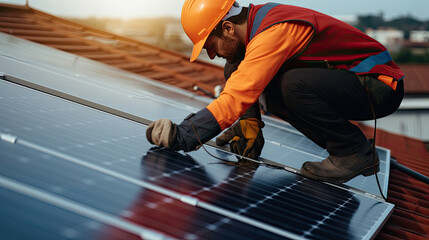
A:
{"x":367,"y":64}
{"x":259,"y":17}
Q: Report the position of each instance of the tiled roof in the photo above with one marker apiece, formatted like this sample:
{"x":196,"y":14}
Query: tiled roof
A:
{"x":410,"y":220}
{"x":127,"y":54}
{"x":416,"y":77}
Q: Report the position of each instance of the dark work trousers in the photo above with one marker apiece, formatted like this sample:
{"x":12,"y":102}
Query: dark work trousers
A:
{"x":321,"y":102}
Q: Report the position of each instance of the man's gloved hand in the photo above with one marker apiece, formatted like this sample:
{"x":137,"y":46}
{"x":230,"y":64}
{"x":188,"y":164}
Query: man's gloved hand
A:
{"x":163,"y":133}
{"x":245,"y":136}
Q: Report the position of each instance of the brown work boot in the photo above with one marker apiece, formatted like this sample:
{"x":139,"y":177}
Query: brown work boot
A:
{"x":341,"y":169}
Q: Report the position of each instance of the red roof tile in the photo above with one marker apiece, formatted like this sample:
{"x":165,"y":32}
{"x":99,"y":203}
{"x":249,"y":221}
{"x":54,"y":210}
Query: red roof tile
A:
{"x":410,"y":219}
{"x":127,"y":54}
{"x":416,"y":78}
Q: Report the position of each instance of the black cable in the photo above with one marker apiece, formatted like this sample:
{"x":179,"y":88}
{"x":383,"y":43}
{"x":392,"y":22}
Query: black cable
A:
{"x":240,"y":163}
{"x":202,"y":145}
{"x":373,"y":143}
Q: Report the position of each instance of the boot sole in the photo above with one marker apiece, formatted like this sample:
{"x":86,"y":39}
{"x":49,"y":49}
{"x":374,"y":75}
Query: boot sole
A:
{"x":368,"y":171}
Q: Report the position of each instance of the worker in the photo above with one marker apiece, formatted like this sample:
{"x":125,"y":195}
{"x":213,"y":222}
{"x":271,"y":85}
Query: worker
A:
{"x":305,"y":67}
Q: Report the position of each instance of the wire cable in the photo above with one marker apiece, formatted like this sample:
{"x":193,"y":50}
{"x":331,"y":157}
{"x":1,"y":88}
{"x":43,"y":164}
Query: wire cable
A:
{"x":243,"y":161}
{"x":224,"y":160}
{"x":373,"y":143}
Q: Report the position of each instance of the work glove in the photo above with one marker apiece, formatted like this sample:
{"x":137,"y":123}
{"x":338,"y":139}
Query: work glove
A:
{"x":163,"y":133}
{"x":193,"y":131}
{"x":245,"y":136}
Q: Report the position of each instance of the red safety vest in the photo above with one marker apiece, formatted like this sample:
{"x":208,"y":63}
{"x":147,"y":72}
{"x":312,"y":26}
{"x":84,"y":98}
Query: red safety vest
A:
{"x":335,"y":43}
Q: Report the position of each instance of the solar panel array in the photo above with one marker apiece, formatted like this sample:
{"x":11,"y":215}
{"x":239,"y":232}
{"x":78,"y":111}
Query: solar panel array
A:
{"x":70,"y":171}
{"x":100,"y":84}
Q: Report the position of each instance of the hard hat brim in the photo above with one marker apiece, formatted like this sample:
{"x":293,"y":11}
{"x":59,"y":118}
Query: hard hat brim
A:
{"x":196,"y":50}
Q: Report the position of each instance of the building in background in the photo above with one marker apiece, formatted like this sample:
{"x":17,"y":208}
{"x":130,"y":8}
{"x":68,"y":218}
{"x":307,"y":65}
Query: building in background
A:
{"x":419,"y":36}
{"x":391,"y":38}
{"x":418,"y":43}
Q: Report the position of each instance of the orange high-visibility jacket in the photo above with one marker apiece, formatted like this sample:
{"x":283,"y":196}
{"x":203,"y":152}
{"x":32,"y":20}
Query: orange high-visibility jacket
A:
{"x":297,"y":37}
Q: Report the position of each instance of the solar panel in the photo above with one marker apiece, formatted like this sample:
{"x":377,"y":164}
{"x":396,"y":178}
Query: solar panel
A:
{"x":95,"y":167}
{"x":82,"y":203}
{"x":24,"y":217}
{"x":116,"y":89}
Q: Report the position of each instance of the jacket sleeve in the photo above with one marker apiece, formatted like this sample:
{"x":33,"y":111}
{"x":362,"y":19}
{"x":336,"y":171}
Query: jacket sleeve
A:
{"x":265,"y":54}
{"x":253,"y":111}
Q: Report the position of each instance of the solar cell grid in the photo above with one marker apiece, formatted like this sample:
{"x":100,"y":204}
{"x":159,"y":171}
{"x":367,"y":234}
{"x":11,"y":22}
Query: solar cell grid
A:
{"x":109,"y":166}
{"x":27,"y":218}
{"x":281,"y":196}
{"x":127,"y":201}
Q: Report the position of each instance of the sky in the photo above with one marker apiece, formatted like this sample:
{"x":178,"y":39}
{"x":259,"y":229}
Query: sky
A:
{"x":126,"y":9}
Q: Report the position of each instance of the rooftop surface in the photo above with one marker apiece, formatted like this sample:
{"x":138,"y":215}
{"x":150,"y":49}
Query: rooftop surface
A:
{"x":409,"y":219}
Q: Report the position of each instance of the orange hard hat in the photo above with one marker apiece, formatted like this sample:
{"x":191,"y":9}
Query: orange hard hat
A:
{"x":200,"y":17}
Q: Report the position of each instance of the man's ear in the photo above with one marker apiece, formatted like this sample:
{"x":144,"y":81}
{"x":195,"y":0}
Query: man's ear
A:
{"x":228,"y":28}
